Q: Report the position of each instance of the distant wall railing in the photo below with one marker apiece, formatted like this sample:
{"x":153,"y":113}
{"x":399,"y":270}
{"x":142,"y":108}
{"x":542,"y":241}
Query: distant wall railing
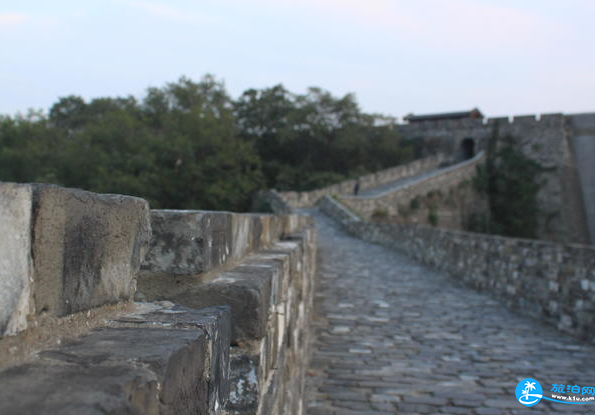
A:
{"x":391,"y":199}
{"x":369,"y":181}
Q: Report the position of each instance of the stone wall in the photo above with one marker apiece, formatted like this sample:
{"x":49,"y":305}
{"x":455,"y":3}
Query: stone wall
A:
{"x":391,"y":202}
{"x":369,"y":181}
{"x":562,"y":144}
{"x":262,"y":267}
{"x":558,"y":142}
{"x":548,"y":141}
{"x":583,"y":143}
{"x":446,"y":136}
{"x":221,"y":319}
{"x":549,"y":281}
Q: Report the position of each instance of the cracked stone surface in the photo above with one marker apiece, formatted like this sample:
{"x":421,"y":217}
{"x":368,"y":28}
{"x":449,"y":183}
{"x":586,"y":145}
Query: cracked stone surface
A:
{"x":395,"y":337}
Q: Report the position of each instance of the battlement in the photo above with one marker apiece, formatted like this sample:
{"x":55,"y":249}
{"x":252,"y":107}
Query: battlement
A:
{"x":395,"y":198}
{"x":523,"y":120}
{"x":221,"y":318}
{"x":443,"y":124}
{"x":551,"y":119}
{"x":368,"y":181}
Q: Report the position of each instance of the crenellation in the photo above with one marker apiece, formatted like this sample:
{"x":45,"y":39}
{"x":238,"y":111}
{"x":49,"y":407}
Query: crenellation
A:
{"x":524,"y":119}
{"x":551,"y":117}
{"x":211,"y":283}
{"x":498,"y":120}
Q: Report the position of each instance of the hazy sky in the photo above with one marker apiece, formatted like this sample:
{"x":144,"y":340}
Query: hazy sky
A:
{"x":504,"y":56}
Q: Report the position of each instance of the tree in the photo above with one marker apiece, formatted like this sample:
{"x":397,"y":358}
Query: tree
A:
{"x":189,"y":145}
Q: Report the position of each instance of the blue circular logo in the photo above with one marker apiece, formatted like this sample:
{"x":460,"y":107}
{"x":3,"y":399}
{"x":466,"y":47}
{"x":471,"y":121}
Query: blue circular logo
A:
{"x":528,"y":392}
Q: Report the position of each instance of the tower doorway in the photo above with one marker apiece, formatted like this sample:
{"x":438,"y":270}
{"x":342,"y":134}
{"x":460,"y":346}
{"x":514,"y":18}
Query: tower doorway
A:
{"x":468,"y":148}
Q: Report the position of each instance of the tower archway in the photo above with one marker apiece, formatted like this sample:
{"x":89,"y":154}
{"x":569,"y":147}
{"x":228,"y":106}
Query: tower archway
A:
{"x":467,"y":148}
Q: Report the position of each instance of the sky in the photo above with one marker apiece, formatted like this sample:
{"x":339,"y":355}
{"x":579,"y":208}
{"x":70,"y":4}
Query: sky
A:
{"x":398,"y":57}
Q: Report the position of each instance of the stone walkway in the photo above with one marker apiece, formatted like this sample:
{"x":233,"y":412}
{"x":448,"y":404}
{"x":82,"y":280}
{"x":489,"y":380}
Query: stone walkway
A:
{"x":395,"y":337}
{"x":400,"y":183}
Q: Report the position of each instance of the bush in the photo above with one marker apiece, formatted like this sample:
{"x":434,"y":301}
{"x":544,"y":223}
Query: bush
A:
{"x":379,"y":215}
{"x":511,"y":182}
{"x":415,"y":203}
{"x":433,"y":217}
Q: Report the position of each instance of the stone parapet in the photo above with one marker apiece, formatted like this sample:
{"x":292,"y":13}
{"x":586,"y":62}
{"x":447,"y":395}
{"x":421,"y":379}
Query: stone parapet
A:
{"x":187,"y":242}
{"x":369,"y":181}
{"x":390,"y":200}
{"x":270,"y":295}
{"x":221,"y":325}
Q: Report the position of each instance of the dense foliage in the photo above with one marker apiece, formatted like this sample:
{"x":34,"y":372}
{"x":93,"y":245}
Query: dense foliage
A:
{"x":189,"y":145}
{"x":510,"y":181}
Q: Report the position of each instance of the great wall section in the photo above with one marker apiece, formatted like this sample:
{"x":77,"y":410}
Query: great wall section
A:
{"x":339,"y":303}
{"x":562,"y":144}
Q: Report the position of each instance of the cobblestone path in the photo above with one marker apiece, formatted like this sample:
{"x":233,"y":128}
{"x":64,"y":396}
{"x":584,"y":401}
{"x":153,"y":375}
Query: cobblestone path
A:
{"x":395,"y":337}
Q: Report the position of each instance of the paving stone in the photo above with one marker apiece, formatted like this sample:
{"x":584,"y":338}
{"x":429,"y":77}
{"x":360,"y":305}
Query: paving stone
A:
{"x":426,"y":400}
{"x":384,"y":398}
{"x":383,"y":406}
{"x":455,"y":410}
{"x":348,"y":396}
{"x":414,"y":408}
{"x":438,"y":348}
{"x":510,"y":403}
{"x":487,"y":411}
{"x":353,"y":405}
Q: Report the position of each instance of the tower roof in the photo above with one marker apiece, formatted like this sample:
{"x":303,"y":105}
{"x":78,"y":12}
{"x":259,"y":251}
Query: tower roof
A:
{"x":474,"y":113}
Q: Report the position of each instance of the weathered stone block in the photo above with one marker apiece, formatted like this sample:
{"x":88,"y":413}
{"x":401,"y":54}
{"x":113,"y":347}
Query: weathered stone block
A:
{"x":42,"y":388}
{"x":66,"y":250}
{"x":242,"y":235}
{"x":244,"y":393}
{"x":246,"y":289}
{"x":188,"y":242}
{"x":16,"y":266}
{"x":214,"y":321}
{"x":176,"y":358}
{"x":248,"y":233}
{"x":87,"y":248}
{"x":162,"y":359}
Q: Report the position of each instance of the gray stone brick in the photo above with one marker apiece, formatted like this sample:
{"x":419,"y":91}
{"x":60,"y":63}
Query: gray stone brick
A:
{"x":68,"y":249}
{"x":188,"y":242}
{"x":158,"y":360}
{"x":87,"y":248}
{"x":247,"y":290}
{"x":16,"y":264}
